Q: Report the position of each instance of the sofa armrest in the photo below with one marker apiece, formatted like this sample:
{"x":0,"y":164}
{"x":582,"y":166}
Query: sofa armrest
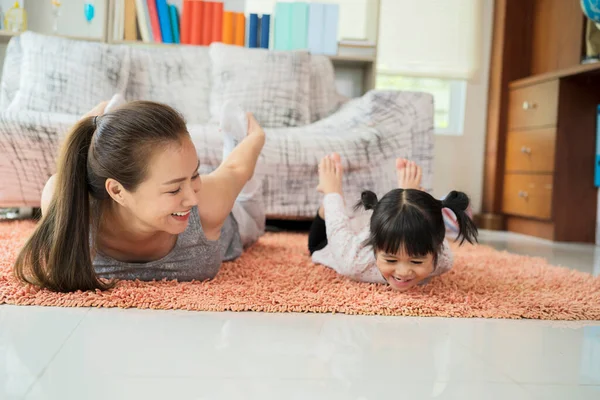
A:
{"x":29,"y":144}
{"x":378,"y":125}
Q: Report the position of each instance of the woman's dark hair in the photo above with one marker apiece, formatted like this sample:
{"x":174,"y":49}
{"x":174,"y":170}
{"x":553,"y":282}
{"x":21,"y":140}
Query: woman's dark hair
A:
{"x":412,"y":220}
{"x":116,"y":145}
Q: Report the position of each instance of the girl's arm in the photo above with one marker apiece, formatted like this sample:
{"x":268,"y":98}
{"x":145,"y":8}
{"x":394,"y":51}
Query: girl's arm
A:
{"x":351,"y":258}
{"x":219,"y":189}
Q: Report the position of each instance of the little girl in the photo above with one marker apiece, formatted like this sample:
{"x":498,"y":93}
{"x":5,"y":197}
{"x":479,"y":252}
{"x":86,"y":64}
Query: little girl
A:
{"x":404,"y":244}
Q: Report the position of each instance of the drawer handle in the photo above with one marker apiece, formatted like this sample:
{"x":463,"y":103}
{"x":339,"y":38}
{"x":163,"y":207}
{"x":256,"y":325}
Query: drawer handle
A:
{"x":529,"y":106}
{"x":523,"y":194}
{"x":525,"y":150}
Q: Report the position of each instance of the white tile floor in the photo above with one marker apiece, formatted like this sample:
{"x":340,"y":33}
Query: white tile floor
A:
{"x":50,"y":353}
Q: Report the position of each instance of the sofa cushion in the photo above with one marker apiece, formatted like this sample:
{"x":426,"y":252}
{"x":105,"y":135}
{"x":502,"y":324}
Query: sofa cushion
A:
{"x":11,"y":72}
{"x":274,"y":85}
{"x":177,"y":75}
{"x":68,"y":76}
{"x":324,"y":98}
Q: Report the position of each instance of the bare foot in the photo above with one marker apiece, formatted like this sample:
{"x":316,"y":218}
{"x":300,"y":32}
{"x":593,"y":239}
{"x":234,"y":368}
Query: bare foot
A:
{"x":330,"y":177}
{"x":409,"y":174}
{"x":336,"y":159}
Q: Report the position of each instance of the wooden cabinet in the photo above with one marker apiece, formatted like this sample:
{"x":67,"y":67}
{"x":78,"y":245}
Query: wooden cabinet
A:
{"x":528,"y":195}
{"x":533,"y":106}
{"x":541,"y":127}
{"x":531,"y":150}
{"x":548,"y":188}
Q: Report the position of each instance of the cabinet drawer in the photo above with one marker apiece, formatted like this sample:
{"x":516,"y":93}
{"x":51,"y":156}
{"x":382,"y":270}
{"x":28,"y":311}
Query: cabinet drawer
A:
{"x":533,"y":106}
{"x":530,"y":151}
{"x":528,"y":195}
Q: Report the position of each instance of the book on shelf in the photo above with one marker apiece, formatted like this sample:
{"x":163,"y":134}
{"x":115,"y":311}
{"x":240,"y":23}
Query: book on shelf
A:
{"x":164,"y":19}
{"x":307,"y":26}
{"x":228,"y":24}
{"x":217,"y":22}
{"x":299,"y":25}
{"x":143,"y":20}
{"x":265,"y":31}
{"x":119,"y":20}
{"x":154,"y":22}
{"x":292,"y":26}
{"x":174,"y":16}
{"x":253,"y":30}
{"x":240,"y":29}
{"x":259,"y":30}
{"x":186,"y":22}
{"x":283,"y":32}
{"x":130,"y":20}
{"x":207,"y":15}
{"x":197,"y":10}
{"x":330,"y":31}
{"x":316,"y":25}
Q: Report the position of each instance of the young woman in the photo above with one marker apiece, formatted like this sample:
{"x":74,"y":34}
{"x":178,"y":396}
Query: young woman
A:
{"x":128,"y":201}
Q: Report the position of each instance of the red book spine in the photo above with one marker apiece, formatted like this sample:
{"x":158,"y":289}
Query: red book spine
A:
{"x":154,"y":21}
{"x":217,"y":31}
{"x":186,"y":22}
{"x":197,"y":18}
{"x":207,"y":23}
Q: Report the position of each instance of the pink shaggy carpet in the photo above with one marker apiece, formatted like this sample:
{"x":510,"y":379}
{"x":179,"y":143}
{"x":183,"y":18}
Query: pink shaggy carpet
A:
{"x":276,"y":275}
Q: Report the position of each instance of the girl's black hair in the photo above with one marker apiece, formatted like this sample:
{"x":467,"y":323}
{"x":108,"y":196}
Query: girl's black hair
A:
{"x":412,"y":220}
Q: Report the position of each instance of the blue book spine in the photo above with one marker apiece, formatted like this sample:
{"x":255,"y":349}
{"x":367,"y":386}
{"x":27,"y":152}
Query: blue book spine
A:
{"x":265,"y":28}
{"x":299,"y":26}
{"x":283,"y":17}
{"x":253,"y":31}
{"x":316,"y":24}
{"x":174,"y":23}
{"x":330,"y":33}
{"x":597,"y":167}
{"x":165,"y":21}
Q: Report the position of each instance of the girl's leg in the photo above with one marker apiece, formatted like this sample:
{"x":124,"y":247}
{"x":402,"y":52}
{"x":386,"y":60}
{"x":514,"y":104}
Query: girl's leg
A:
{"x":249,"y":213}
{"x":317,"y":237}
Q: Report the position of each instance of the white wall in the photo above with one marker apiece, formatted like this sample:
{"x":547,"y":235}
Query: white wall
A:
{"x":458,"y":160}
{"x":71,"y":21}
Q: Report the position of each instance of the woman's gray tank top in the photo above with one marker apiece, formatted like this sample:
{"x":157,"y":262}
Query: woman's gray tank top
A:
{"x":194,"y":257}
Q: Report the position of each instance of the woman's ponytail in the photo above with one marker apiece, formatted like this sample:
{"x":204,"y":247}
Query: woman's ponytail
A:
{"x":458,"y":202}
{"x":57,"y":256}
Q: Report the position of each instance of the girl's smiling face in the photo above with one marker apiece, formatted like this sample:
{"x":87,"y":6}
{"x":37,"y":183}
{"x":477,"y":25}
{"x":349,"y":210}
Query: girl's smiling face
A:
{"x":403,"y":271}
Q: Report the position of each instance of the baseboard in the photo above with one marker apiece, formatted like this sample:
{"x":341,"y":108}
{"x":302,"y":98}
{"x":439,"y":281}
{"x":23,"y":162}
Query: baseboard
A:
{"x":489,"y":221}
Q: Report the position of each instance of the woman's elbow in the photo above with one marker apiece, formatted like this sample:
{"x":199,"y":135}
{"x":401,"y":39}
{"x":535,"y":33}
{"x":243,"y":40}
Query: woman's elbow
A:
{"x":47,"y":194}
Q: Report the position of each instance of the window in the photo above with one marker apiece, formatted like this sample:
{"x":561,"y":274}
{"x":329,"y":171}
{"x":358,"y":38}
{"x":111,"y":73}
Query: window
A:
{"x":431,"y":46}
{"x":448,"y":97}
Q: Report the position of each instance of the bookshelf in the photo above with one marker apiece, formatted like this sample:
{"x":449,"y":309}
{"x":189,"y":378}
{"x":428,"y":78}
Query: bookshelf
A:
{"x":8,"y":34}
{"x":359,"y":65}
{"x":349,"y":59}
